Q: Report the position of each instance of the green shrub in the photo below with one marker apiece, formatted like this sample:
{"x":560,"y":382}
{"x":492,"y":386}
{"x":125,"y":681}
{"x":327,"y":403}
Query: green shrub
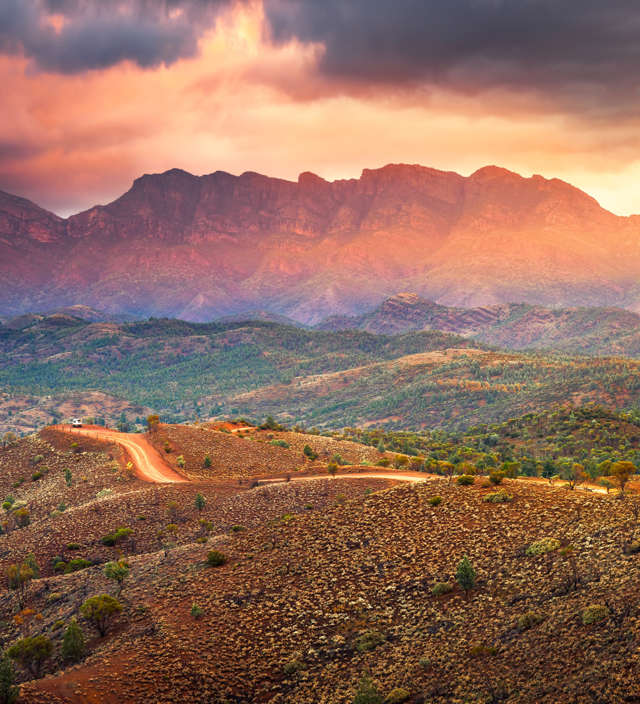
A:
{"x":479,"y":651}
{"x":440,"y":588}
{"x":498,"y":497}
{"x":594,"y":614}
{"x":215,"y":558}
{"x":237,"y":529}
{"x":542,"y":546}
{"x":397,"y":696}
{"x":100,"y":610}
{"x":31,"y":653}
{"x":465,"y":480}
{"x":76,"y":565}
{"x":466,"y":575}
{"x":180,"y":461}
{"x":529,"y":620}
{"x":207,"y":462}
{"x":367,"y":692}
{"x":435,"y":500}
{"x":74,"y":546}
{"x":369,"y":640}
{"x":383,"y":462}
{"x":118,"y":536}
{"x":8,"y":691}
{"x":196,"y":611}
{"x":280,"y":443}
{"x":496,"y":477}
{"x":309,"y":452}
{"x":424,"y":663}
{"x":293,"y":666}
{"x":37,"y":475}
{"x":22,"y":517}
{"x":73,"y":645}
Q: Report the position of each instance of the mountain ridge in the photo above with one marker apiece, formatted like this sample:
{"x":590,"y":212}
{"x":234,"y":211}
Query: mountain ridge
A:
{"x":200,"y":247}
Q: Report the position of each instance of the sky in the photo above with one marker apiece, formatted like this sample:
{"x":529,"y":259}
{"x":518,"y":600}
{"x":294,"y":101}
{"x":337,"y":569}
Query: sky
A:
{"x":95,"y":93}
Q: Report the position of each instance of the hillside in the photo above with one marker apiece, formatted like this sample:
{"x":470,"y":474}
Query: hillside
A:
{"x":325,"y":581}
{"x":600,"y":331}
{"x":200,"y":247}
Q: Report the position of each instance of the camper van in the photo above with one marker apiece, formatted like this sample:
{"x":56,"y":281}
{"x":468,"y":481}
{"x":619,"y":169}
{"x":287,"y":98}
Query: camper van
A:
{"x":76,"y":422}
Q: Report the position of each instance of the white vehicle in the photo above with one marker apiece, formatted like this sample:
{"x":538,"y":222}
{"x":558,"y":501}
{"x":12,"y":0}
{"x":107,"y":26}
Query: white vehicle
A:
{"x":76,"y":422}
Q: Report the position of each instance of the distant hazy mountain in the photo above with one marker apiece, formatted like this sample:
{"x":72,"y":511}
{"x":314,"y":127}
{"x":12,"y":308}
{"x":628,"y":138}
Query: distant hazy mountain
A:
{"x":604,"y":331}
{"x":204,"y":247}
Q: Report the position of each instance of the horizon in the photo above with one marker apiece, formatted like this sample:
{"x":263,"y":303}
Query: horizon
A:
{"x":278,"y":87}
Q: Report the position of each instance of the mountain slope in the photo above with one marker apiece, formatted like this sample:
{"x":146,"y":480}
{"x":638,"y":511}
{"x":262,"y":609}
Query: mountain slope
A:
{"x":203,"y":247}
{"x":609,"y":331}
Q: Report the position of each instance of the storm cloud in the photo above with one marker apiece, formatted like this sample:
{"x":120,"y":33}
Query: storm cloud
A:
{"x":588,"y":48}
{"x":71,"y":36}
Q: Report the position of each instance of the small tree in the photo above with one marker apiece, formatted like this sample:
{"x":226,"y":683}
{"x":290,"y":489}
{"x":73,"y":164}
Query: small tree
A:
{"x":22,"y":517}
{"x":207,"y":462}
{"x":117,"y":571}
{"x":73,"y":645}
{"x":332,"y":468}
{"x":199,"y":502}
{"x":68,"y":477}
{"x":8,"y":691}
{"x":153,"y":421}
{"x":309,"y":452}
{"x":466,"y":575}
{"x":19,"y":576}
{"x":573,"y":474}
{"x":101,"y":610}
{"x":621,"y":472}
{"x":31,"y":653}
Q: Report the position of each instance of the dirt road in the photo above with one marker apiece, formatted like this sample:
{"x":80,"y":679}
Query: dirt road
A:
{"x":147,"y":461}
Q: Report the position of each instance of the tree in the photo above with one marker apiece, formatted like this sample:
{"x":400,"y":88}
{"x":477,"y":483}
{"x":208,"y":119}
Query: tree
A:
{"x":31,"y":653}
{"x":19,"y":576}
{"x":573,"y":474}
{"x":117,"y":571}
{"x":621,"y":472}
{"x":101,"y":610}
{"x":309,"y":452}
{"x":207,"y":462}
{"x":332,"y":468}
{"x":8,"y":691}
{"x":153,"y":421}
{"x":73,"y":645}
{"x":466,"y":575}
{"x":200,"y":502}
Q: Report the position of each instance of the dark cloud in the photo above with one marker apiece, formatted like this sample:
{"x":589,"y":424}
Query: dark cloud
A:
{"x":586,"y":49}
{"x":101,"y":33}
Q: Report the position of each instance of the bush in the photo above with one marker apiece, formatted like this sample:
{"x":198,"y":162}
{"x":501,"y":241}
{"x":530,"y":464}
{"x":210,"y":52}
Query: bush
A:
{"x":466,"y":575}
{"x":73,"y":645}
{"x":440,"y":588}
{"x":529,"y":620}
{"x":397,"y":696}
{"x":424,"y":663}
{"x":216,"y":558}
{"x":37,"y":475}
{"x":594,"y":614}
{"x":77,"y":564}
{"x":280,"y":443}
{"x":207,"y":462}
{"x":237,"y":529}
{"x":100,"y":610}
{"x":293,"y":666}
{"x":196,"y":611}
{"x":367,"y":692}
{"x":496,"y":477}
{"x":309,"y":452}
{"x":118,"y":536}
{"x":542,"y":546}
{"x":465,"y":480}
{"x":435,"y":500}
{"x":31,"y":653}
{"x":8,"y":691}
{"x":74,"y":546}
{"x":499,"y":497}
{"x":22,"y":517}
{"x":384,"y":462}
{"x":369,"y":640}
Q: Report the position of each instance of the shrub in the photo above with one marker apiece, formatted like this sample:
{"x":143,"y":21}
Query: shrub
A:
{"x":117,"y":571}
{"x":100,"y":610}
{"x":383,"y":462}
{"x":594,"y":614}
{"x":215,"y":558}
{"x":74,"y":546}
{"x":207,"y":462}
{"x":73,"y":645}
{"x":237,"y":529}
{"x":440,"y":588}
{"x":37,"y":475}
{"x":435,"y":500}
{"x":496,"y":477}
{"x":199,"y":502}
{"x":59,"y":565}
{"x":280,"y":443}
{"x":293,"y":666}
{"x":8,"y":691}
{"x":397,"y":696}
{"x":22,"y":517}
{"x":76,"y":565}
{"x":542,"y":546}
{"x":308,"y":452}
{"x":37,"y":459}
{"x":529,"y":620}
{"x":118,"y":536}
{"x":180,"y":461}
{"x":478,"y":651}
{"x":369,"y":640}
{"x":498,"y":497}
{"x":104,"y":492}
{"x":465,"y":575}
{"x":68,"y":477}
{"x":465,"y":480}
{"x":196,"y":611}
{"x":31,"y":653}
{"x":424,"y":663}
{"x":367,"y":692}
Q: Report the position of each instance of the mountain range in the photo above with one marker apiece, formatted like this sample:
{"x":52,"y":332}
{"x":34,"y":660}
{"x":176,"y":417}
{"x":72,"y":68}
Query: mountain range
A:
{"x":203,"y":247}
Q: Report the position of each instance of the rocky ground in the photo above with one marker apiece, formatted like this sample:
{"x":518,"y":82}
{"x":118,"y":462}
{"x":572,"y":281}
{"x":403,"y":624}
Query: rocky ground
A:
{"x":330,"y":580}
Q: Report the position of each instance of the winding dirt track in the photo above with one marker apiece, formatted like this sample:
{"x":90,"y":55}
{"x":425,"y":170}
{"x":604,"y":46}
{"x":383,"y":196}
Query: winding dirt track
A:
{"x":147,"y":461}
